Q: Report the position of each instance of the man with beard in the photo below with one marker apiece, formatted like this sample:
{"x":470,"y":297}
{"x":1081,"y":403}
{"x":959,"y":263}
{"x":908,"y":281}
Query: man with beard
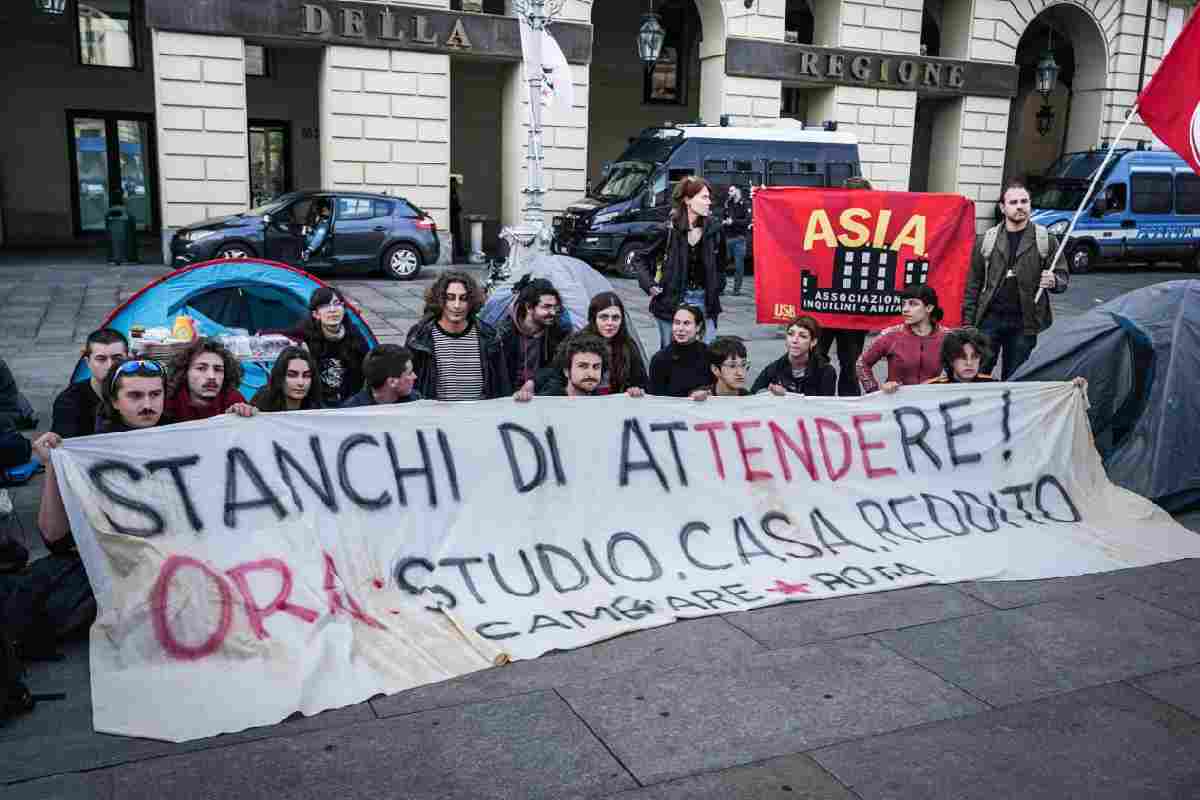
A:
{"x":455,"y":355}
{"x":205,"y":378}
{"x":584,"y":357}
{"x":531,"y":332}
{"x":390,"y":378}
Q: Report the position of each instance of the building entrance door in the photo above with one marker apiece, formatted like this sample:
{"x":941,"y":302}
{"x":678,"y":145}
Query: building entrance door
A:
{"x":112,"y":164}
{"x":270,"y":157}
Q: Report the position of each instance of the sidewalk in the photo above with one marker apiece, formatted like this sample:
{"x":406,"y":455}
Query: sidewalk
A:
{"x":1082,"y":687}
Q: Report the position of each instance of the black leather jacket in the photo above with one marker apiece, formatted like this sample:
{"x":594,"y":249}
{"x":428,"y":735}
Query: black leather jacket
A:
{"x":675,"y":269}
{"x":495,"y":374}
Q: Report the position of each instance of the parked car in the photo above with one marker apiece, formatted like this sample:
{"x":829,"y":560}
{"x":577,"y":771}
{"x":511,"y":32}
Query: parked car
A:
{"x":627,"y":208}
{"x":1146,"y":208}
{"x":368,"y":232}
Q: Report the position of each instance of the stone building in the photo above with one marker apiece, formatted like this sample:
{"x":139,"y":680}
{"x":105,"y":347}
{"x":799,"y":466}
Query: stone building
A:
{"x":189,"y":114}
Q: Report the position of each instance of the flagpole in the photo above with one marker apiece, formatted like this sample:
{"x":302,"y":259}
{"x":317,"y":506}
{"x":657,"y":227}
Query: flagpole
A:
{"x":1062,"y":242}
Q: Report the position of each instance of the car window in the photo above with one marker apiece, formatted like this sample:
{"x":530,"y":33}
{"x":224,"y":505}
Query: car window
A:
{"x":298,"y":213}
{"x":382,"y":208}
{"x":1151,"y":192}
{"x":406,"y":210}
{"x":349,"y":208}
{"x":1187,"y":193}
{"x":1116,"y":197}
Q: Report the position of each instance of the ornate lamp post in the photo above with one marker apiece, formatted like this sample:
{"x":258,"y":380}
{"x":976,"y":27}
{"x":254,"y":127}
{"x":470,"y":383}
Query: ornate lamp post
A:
{"x":1046,"y":77}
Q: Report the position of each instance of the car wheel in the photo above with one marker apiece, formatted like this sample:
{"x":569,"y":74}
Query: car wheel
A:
{"x":234,"y":250}
{"x":1082,"y":259}
{"x":402,"y":262}
{"x":625,"y":265}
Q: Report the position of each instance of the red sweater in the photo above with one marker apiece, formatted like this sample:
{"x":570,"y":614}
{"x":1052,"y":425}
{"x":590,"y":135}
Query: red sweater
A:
{"x":911,"y":359}
{"x":177,"y":408}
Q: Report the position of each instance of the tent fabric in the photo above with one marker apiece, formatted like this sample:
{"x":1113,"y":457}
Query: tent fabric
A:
{"x":1141,"y":356}
{"x":253,"y":294}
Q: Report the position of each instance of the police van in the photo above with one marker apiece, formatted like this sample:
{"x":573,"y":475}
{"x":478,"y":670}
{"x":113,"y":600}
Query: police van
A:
{"x":1146,"y":208}
{"x":628,"y":206}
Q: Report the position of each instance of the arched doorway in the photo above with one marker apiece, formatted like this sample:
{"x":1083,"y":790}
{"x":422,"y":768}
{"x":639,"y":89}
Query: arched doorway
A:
{"x":1072,"y":114}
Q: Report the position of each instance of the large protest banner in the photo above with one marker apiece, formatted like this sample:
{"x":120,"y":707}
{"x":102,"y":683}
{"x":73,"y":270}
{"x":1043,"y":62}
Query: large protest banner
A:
{"x":246,"y":569}
{"x":843,"y":256}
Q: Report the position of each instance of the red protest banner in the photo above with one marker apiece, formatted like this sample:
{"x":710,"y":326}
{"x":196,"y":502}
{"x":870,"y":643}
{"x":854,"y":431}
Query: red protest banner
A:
{"x":844,"y":255}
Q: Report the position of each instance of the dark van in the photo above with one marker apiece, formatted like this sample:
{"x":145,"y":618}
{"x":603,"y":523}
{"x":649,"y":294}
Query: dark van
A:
{"x":633,"y":198}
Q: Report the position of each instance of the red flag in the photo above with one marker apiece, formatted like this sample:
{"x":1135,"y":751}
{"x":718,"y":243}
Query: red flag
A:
{"x":844,"y":255}
{"x":1170,"y":103}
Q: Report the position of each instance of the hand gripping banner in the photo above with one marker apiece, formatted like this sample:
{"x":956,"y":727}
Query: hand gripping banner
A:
{"x":246,"y":569}
{"x":844,"y":256}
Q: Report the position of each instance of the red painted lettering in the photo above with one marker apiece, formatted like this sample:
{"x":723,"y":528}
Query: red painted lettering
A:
{"x":336,"y":603}
{"x":255,"y":613}
{"x":804,"y":454}
{"x":162,"y":625}
{"x":824,"y":425}
{"x":745,"y":452}
{"x":711,"y":428}
{"x":864,"y":446}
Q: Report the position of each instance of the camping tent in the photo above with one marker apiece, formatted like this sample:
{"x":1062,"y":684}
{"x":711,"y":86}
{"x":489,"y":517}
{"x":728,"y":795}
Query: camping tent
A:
{"x":1141,"y":356}
{"x":252,"y":294}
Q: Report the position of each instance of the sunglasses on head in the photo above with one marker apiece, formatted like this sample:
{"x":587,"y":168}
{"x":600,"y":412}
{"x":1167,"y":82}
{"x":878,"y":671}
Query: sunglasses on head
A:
{"x":144,"y":366}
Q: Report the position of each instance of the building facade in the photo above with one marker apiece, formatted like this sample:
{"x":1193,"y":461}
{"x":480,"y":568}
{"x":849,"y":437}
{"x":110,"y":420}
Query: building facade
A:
{"x":184,"y":111}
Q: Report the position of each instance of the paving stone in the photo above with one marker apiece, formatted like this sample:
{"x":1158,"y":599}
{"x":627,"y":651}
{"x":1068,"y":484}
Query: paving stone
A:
{"x":531,"y":746}
{"x":786,"y":778}
{"x":709,"y":639}
{"x":1012,"y":656}
{"x":1110,"y":742}
{"x":795,"y":624}
{"x":705,"y":716}
{"x":1179,"y":687}
{"x":1174,"y":591}
{"x":75,"y":786}
{"x":1014,"y":594}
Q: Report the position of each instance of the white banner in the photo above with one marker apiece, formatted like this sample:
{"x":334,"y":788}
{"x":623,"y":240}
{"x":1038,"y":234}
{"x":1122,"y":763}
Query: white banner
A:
{"x":558,"y":87}
{"x":249,"y":568}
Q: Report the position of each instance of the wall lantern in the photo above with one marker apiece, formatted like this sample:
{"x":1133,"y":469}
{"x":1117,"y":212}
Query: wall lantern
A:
{"x":651,"y":36}
{"x":1047,"y":70}
{"x":53,"y":7}
{"x":1045,"y":120}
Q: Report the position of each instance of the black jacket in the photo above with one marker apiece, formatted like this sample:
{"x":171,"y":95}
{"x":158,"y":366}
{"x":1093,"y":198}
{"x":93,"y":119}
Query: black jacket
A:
{"x":820,"y":379}
{"x":339,"y":363}
{"x":675,"y":269}
{"x":495,"y":373}
{"x":984,"y":279}
{"x":739,"y":216}
{"x":679,"y":370}
{"x":510,"y":335}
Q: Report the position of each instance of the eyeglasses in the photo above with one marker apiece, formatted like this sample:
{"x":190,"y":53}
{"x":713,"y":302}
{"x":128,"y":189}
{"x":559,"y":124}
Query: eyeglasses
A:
{"x":744,"y":366}
{"x":334,"y":303}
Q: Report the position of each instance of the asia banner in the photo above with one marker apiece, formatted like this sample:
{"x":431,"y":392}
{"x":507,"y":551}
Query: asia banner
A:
{"x":246,"y":569}
{"x":843,"y":256}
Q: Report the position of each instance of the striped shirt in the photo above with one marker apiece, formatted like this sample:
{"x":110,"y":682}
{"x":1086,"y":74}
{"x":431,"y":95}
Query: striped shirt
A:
{"x":458,"y":363}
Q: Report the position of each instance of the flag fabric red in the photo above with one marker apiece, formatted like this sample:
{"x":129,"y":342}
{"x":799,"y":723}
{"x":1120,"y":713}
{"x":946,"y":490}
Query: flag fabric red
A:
{"x":1170,"y":103}
{"x":844,"y":255}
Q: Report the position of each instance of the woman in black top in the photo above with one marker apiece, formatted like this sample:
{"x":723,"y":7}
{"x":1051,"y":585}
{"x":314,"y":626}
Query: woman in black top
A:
{"x":336,"y":346}
{"x":681,"y":370}
{"x":802,"y":369}
{"x":692,"y":260}
{"x":293,"y":384}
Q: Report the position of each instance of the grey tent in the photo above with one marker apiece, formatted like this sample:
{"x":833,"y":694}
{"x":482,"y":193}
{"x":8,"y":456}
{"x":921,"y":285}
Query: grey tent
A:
{"x":1141,"y":356}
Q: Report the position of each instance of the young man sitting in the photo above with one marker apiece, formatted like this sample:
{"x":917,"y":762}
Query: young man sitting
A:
{"x":204,"y":381}
{"x":76,"y":407}
{"x":132,"y":400}
{"x":389,"y":378}
{"x":729,"y":362}
{"x":584,"y":357}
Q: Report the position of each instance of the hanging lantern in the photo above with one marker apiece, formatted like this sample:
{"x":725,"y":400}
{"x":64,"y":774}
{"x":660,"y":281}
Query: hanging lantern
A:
{"x":52,"y":7}
{"x":1047,"y":69}
{"x":1045,"y":120}
{"x":651,"y":36}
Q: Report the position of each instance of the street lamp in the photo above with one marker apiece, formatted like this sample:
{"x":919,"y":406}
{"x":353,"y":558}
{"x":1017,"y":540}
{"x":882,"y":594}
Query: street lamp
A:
{"x":651,"y":36}
{"x":1047,"y":70}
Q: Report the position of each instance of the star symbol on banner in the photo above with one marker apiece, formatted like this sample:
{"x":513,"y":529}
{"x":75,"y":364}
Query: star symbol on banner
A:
{"x":783,"y":587}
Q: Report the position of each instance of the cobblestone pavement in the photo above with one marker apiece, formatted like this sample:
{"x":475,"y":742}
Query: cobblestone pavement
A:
{"x":1074,"y":687}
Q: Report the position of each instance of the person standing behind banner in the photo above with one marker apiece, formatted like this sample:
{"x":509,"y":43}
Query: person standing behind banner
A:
{"x":692,"y":260}
{"x":293,"y":384}
{"x":1009,"y":266}
{"x":913,"y":349}
{"x":681,"y":369}
{"x":336,"y":346}
{"x":802,"y":369}
{"x":849,"y":342}
{"x":737,"y":227}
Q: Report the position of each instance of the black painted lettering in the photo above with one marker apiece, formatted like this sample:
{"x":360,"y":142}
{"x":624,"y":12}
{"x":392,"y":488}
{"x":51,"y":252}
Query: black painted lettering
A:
{"x":952,"y":432}
{"x":649,"y":462}
{"x":1018,"y":494}
{"x":1050,"y":480}
{"x":541,"y":621}
{"x":712,"y":597}
{"x":651,"y":561}
{"x":175,"y":467}
{"x":287,"y":463}
{"x":911,"y":526}
{"x":484,"y":629}
{"x":560,"y":477}
{"x":403,"y":473}
{"x":400,"y":576}
{"x":680,"y":603}
{"x":821,"y":525}
{"x":968,"y":500}
{"x":905,"y":569}
{"x":534,"y":586}
{"x":671,"y":428}
{"x":448,"y":460}
{"x":591,"y":554}
{"x":463,"y":565}
{"x":831,"y":581}
{"x":882,"y":526}
{"x":383,"y":499}
{"x":960,"y":528}
{"x":600,"y":611}
{"x":685,"y":535}
{"x":98,"y":472}
{"x":743,"y":536}
{"x":909,"y":440}
{"x":858,"y":576}
{"x":507,"y":429}
{"x":812,"y":551}
{"x":235,"y":458}
{"x":544,"y":551}
{"x":741,"y":593}
{"x":635,"y":610}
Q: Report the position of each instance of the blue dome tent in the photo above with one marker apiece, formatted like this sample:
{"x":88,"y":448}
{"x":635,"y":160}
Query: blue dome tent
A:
{"x":254,"y":294}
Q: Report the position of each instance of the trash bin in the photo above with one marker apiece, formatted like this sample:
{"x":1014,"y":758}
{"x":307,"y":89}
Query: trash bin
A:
{"x":122,"y":236}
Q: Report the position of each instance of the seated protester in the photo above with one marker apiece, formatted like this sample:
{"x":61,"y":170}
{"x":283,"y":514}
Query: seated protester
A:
{"x":133,"y":399}
{"x":532,"y":330}
{"x":203,"y":383}
{"x":76,"y":407}
{"x":337,"y":347}
{"x":292,"y":386}
{"x":389,"y":376}
{"x":729,"y":362}
{"x":626,"y":364}
{"x":802,"y":369}
{"x":681,"y":368}
{"x":15,"y":449}
{"x":584,"y":359}
{"x":963,"y":350}
{"x":913,"y":349}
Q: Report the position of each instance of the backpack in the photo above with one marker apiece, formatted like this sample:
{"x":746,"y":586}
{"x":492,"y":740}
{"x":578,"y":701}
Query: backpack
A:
{"x":993,"y":233}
